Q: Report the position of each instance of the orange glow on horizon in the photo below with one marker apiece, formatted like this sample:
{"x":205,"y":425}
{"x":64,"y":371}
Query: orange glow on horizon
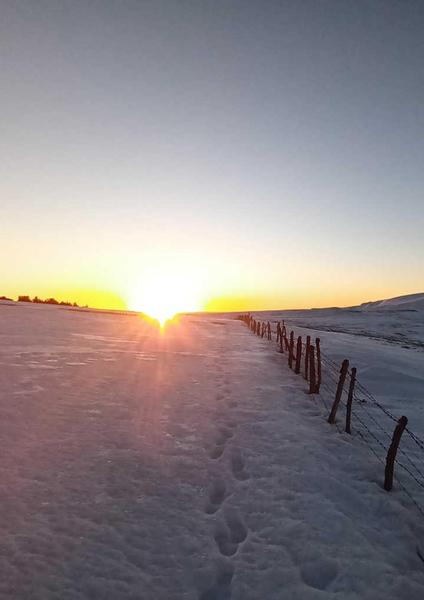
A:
{"x":173,"y":287}
{"x":164,"y":293}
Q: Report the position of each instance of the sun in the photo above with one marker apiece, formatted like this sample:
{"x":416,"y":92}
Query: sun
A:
{"x":163,"y":295}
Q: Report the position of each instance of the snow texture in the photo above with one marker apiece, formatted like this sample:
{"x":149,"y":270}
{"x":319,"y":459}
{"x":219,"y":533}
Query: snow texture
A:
{"x":186,"y":465}
{"x":409,"y":302}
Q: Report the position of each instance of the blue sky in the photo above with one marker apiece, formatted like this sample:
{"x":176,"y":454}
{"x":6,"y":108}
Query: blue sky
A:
{"x":278,"y":146}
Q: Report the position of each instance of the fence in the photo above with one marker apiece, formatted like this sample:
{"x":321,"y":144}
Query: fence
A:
{"x":339,"y":388}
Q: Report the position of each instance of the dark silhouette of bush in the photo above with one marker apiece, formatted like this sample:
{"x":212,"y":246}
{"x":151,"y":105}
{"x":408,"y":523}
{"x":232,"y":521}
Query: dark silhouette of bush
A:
{"x":37,"y":300}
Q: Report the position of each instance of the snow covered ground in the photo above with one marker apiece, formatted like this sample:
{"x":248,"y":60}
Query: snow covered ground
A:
{"x":384,"y":340}
{"x":186,"y":465}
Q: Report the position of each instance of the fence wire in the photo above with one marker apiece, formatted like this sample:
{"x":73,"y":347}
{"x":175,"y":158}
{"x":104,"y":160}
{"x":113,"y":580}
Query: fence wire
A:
{"x":373,"y":423}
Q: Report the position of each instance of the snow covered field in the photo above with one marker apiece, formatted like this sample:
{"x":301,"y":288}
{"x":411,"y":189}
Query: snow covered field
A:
{"x":191,"y":465}
{"x":385,"y":341}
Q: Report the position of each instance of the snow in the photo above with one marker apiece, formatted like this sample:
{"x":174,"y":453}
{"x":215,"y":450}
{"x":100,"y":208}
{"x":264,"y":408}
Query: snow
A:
{"x":409,"y":302}
{"x":4,"y":302}
{"x":386,"y":346}
{"x":188,"y":465}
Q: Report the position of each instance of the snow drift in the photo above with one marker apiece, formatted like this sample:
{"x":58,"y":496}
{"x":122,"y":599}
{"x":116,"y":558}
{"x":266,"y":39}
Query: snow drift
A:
{"x":408,"y":302}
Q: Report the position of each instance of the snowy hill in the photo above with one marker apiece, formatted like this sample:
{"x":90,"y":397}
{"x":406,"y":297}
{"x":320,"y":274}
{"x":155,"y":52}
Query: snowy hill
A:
{"x":7,"y":302}
{"x":408,"y":302}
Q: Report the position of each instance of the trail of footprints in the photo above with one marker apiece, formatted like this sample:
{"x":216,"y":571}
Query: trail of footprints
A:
{"x":229,"y":529}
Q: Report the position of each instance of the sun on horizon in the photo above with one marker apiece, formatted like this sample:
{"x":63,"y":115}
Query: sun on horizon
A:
{"x":163,"y":295}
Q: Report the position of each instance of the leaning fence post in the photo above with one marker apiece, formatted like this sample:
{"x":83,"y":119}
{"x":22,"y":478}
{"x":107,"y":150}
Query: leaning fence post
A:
{"x":349,"y":400}
{"x":281,"y":341}
{"x":311,"y":369}
{"x":391,"y":454}
{"x":298,"y":355}
{"x":291,"y":349}
{"x":342,"y":378}
{"x":317,"y":342}
{"x":308,"y":345}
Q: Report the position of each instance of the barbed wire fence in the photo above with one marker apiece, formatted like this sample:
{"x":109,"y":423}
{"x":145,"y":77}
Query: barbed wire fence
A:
{"x":387,"y":437}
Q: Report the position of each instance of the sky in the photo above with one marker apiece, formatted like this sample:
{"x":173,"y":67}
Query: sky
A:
{"x":227,"y":155}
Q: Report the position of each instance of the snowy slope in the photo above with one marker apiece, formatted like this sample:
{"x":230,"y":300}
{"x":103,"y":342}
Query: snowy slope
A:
{"x":386,"y":346}
{"x":409,"y":302}
{"x":4,"y":302}
{"x":190,"y":465}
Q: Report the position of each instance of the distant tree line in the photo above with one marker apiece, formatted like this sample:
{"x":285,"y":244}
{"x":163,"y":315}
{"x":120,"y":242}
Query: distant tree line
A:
{"x":37,"y":300}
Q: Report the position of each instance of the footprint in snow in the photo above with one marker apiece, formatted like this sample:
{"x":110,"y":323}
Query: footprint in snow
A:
{"x":216,"y":452}
{"x":238,"y":466}
{"x":222,"y":537}
{"x":221,"y":589}
{"x":319,"y":573}
{"x":217,"y":495}
{"x":238,"y":530}
{"x":230,"y":533}
{"x":223,"y":434}
{"x":232,"y":403}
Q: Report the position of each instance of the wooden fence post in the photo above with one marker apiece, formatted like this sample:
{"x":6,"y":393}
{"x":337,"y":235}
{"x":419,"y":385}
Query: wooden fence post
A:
{"x":311,"y":369}
{"x":349,"y":400}
{"x":308,"y":345}
{"x":391,"y":454}
{"x":298,"y":355}
{"x":339,"y":391}
{"x":291,"y":349}
{"x":318,"y":347}
{"x":278,"y":332}
{"x":281,"y":341}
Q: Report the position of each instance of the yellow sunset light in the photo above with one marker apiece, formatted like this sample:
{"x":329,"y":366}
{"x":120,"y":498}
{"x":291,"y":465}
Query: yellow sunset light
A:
{"x":164,"y":295}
